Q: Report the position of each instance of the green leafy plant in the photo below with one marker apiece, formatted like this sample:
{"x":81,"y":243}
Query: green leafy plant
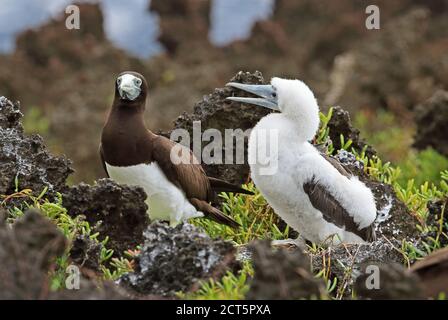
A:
{"x":230,"y":287}
{"x":257,"y":219}
{"x":70,"y":227}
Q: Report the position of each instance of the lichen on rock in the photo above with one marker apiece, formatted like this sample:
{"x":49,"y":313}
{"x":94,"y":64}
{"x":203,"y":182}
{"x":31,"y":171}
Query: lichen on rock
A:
{"x":25,"y":162}
{"x":175,"y":259}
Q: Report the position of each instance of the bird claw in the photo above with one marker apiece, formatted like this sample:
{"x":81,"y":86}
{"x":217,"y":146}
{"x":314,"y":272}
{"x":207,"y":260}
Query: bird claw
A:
{"x":289,"y":244}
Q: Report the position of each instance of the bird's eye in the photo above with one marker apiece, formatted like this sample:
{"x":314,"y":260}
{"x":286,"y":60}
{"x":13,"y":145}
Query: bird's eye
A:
{"x":118,"y":81}
{"x":274,"y":92}
{"x":138,"y":81}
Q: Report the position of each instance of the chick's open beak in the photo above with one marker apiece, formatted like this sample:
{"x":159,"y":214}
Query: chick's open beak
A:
{"x":266,"y":93}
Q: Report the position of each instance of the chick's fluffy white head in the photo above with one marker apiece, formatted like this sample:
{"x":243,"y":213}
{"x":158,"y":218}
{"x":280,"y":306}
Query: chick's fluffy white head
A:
{"x":296,"y":101}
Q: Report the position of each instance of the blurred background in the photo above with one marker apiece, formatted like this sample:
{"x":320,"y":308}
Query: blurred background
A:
{"x":391,"y":80}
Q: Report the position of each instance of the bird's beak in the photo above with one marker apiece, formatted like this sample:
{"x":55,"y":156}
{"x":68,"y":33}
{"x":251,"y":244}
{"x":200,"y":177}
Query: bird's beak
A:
{"x":266,"y":93}
{"x":128,"y":90}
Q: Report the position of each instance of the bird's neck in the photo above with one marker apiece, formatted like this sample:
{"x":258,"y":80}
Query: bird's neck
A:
{"x":290,"y":127}
{"x":125,"y":137}
{"x":126,"y":121}
{"x":305,"y":128}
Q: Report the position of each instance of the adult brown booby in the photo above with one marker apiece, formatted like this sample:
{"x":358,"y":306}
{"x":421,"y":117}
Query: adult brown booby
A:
{"x":131,"y":154}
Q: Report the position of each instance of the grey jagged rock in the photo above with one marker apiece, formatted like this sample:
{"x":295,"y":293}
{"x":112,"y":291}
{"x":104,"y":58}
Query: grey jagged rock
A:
{"x":25,"y":162}
{"x":174,"y":259}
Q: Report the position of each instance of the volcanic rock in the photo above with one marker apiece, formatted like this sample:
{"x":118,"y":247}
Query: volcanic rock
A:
{"x":394,"y":283}
{"x":86,"y":252}
{"x":116,"y":211}
{"x":215,"y":112}
{"x":27,"y":251}
{"x":282,"y":275}
{"x":175,"y":259}
{"x":25,"y":162}
{"x":340,"y":124}
{"x":431,"y":118}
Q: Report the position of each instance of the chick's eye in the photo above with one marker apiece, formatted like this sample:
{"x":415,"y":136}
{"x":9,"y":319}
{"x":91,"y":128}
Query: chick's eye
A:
{"x":274,"y":92}
{"x":138,"y":81}
{"x":118,"y":81}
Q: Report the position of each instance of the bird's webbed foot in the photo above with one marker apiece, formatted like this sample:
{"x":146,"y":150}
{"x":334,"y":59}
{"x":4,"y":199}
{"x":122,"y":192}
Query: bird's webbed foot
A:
{"x":298,"y":243}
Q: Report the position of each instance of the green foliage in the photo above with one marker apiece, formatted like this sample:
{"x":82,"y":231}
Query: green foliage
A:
{"x":253,"y":213}
{"x":230,"y":287}
{"x":69,"y":226}
{"x":345,"y":145}
{"x":422,"y":166}
{"x":393,"y":139}
{"x":58,"y":276}
{"x":119,"y":266}
{"x":35,"y":121}
{"x":112,"y":268}
{"x":322,"y":136}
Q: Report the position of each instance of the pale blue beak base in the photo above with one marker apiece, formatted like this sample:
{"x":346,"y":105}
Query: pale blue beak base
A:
{"x":129,"y":92}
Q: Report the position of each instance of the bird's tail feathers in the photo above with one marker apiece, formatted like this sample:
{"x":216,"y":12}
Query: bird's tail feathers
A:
{"x":214,"y":214}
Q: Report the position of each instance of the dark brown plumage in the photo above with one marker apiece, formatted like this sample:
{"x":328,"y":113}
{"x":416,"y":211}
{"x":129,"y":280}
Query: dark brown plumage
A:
{"x":331,"y":209}
{"x":125,"y":141}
